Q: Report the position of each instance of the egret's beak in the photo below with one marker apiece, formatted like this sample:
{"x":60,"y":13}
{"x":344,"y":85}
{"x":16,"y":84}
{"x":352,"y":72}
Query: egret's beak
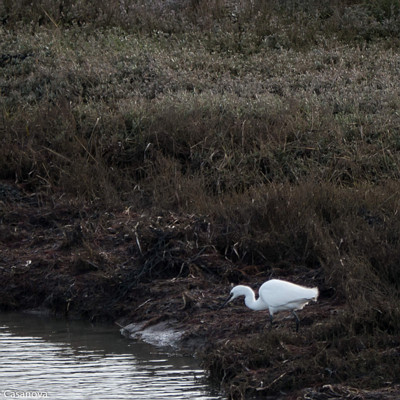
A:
{"x":226,"y":301}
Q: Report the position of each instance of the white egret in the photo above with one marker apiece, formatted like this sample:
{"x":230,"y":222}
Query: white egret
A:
{"x":276,"y":295}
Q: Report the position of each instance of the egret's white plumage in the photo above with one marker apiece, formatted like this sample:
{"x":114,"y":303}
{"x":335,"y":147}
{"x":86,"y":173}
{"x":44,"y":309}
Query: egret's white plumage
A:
{"x":276,"y":295}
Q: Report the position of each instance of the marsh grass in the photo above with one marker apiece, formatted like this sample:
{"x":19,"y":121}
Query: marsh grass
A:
{"x":282,"y":362}
{"x":277,"y":120}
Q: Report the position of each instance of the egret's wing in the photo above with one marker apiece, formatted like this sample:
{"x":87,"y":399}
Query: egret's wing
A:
{"x":278,"y":293}
{"x":298,"y":304}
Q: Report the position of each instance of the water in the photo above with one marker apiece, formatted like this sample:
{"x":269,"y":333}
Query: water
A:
{"x":42,"y":357}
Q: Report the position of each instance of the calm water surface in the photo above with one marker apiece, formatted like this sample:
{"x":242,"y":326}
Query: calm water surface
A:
{"x":41,"y":357}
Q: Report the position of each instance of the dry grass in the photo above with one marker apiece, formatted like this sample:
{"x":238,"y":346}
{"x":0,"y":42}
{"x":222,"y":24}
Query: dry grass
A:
{"x":278,"y":120}
{"x":281,"y":362}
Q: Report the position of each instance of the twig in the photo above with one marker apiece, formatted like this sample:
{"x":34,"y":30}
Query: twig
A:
{"x":87,"y":151}
{"x":274,"y":381}
{"x":50,"y":17}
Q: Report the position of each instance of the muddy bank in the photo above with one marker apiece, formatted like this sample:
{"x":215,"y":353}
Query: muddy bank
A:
{"x":170,"y":270}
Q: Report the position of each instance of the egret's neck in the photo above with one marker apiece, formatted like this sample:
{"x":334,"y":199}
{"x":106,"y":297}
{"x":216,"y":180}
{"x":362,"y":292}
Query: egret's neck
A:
{"x":250,"y":299}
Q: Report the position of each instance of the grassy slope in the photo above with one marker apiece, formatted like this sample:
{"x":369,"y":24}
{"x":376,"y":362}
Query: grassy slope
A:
{"x":278,"y":120}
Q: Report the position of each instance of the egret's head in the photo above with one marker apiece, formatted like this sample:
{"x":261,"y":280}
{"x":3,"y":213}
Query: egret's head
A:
{"x":235,"y":292}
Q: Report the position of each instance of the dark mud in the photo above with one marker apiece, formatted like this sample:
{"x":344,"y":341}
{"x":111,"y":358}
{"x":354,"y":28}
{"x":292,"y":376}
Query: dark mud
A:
{"x":81,"y":261}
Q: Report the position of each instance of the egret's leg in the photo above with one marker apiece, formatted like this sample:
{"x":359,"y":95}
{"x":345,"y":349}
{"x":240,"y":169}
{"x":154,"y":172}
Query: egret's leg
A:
{"x":297,"y":320}
{"x":271,"y":318}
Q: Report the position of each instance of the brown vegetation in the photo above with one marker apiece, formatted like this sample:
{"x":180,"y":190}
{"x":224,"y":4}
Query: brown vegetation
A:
{"x":268,"y":129}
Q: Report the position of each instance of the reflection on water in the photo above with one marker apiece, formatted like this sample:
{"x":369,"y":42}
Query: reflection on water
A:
{"x":58,"y":359}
